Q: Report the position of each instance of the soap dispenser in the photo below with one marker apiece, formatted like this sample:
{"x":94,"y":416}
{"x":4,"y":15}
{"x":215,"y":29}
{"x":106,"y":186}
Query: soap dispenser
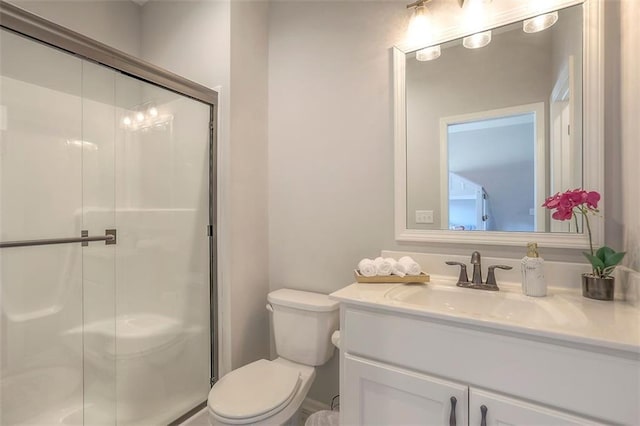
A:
{"x":533,"y":283}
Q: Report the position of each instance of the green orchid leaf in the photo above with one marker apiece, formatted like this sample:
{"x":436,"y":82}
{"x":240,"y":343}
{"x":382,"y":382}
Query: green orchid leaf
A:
{"x":604,"y":252}
{"x":594,"y":260}
{"x":614,"y":258}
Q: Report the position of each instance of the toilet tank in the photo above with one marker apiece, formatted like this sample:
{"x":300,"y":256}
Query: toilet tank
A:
{"x":302,"y":325}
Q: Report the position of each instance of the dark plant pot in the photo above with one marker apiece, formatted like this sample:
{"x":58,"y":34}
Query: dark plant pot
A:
{"x":598,"y":288}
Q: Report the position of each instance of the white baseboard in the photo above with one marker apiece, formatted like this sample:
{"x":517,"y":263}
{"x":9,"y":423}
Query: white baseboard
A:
{"x":311,"y":406}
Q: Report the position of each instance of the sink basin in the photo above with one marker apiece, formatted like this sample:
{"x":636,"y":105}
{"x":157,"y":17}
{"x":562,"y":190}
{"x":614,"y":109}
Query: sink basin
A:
{"x":497,"y":306}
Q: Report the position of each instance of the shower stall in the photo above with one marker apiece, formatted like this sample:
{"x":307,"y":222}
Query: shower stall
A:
{"x":107,"y":233}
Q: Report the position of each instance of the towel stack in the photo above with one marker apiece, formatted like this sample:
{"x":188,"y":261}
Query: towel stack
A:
{"x":389,"y":266}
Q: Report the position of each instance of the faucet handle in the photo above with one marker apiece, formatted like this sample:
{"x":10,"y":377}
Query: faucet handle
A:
{"x":491,"y":276}
{"x":463,"y":278}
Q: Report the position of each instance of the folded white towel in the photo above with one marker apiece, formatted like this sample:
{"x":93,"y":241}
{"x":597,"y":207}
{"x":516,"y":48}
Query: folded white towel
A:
{"x":411,"y":266}
{"x":367,"y":268}
{"x":396,"y":267}
{"x":383,"y":266}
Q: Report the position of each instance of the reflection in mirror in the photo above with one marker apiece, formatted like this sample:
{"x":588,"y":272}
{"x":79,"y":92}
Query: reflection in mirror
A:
{"x":493,"y":131}
{"x":492,"y":179}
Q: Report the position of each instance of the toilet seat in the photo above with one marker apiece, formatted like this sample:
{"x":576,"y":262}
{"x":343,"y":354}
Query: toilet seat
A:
{"x":254,"y":392}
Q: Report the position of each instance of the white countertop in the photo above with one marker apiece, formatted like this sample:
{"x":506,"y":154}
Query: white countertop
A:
{"x":563,"y":315}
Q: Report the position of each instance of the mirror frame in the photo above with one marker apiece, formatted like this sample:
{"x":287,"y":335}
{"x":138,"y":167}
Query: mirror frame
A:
{"x":592,"y":140}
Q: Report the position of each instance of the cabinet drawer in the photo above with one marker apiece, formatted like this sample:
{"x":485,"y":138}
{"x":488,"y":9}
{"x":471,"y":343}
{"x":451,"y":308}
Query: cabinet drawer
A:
{"x":599,"y":385}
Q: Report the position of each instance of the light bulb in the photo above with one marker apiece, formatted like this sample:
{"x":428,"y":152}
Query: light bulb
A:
{"x":126,"y":121}
{"x":540,"y":22}
{"x":153,"y":112}
{"x":419,"y":32}
{"x":478,"y":40}
{"x":428,"y":54}
{"x":140,"y":116}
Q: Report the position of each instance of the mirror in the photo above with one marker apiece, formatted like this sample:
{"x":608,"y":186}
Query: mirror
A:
{"x":486,"y":134}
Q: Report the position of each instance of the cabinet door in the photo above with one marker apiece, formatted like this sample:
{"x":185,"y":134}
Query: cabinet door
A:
{"x":380,"y":394}
{"x":501,"y":410}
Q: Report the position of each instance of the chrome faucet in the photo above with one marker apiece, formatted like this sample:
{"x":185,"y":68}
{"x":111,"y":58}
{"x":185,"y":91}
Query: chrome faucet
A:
{"x":476,"y":281}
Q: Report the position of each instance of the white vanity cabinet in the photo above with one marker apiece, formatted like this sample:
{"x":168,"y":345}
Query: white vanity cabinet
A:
{"x":403,"y":369}
{"x":378,"y":393}
{"x":381,"y":394}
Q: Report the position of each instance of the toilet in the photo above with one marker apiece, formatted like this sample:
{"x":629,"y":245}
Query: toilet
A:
{"x":271,"y":392}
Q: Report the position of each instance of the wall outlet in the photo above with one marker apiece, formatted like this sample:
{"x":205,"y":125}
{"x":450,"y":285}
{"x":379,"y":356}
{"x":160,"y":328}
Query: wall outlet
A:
{"x":424,"y":216}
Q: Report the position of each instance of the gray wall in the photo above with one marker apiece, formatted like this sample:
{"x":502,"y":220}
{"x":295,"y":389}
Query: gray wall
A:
{"x":248,"y":204}
{"x":630,"y":108}
{"x":115,"y":23}
{"x":223,"y":45}
{"x":622,"y":127}
{"x":330,"y":144}
{"x":331,"y":148}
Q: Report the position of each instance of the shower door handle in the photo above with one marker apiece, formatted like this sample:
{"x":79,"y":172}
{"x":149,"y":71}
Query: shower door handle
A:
{"x":109,"y":238}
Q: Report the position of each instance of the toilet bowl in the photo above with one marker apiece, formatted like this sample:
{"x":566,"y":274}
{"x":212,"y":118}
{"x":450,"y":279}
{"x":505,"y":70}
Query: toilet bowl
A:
{"x":263,"y":392}
{"x":271,"y":392}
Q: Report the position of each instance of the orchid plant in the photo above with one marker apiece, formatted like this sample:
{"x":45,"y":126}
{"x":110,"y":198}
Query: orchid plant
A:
{"x":576,"y":202}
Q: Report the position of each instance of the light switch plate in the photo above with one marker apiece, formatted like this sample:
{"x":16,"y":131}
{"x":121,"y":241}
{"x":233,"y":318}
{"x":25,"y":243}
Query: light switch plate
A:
{"x":424,"y":216}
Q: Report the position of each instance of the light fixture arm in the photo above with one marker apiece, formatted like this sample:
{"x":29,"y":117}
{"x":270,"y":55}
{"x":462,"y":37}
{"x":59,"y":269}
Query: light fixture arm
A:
{"x":417,"y":3}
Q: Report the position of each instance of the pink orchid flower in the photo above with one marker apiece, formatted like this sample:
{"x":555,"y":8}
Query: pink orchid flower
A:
{"x":576,"y":202}
{"x":564,"y":203}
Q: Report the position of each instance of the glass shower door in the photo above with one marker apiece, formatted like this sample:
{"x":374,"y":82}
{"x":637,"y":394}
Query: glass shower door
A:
{"x":100,"y":334}
{"x":162,"y":257}
{"x":43,"y":190}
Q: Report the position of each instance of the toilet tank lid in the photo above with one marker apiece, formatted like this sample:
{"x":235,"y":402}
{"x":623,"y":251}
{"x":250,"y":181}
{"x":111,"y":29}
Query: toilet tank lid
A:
{"x":305,"y":300}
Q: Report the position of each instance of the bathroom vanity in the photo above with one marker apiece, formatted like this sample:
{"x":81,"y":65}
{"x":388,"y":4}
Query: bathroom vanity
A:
{"x":438,"y":354}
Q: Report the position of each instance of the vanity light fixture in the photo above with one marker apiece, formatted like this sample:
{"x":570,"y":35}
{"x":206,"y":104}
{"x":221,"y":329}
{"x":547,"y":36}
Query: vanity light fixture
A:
{"x":540,"y":22}
{"x":477,"y":40}
{"x":428,"y":54}
{"x":419,"y":32}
